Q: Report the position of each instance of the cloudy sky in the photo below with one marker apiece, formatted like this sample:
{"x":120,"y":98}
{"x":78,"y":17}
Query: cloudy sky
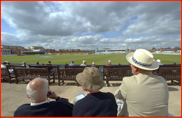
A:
{"x":90,"y":25}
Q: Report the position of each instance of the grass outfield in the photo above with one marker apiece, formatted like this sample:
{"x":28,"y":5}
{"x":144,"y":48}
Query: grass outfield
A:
{"x":98,"y":59}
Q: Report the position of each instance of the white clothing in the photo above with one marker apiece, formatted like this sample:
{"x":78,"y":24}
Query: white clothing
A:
{"x":35,"y":104}
{"x":83,"y":65}
{"x":3,"y":66}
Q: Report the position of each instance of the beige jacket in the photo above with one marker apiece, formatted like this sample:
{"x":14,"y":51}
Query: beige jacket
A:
{"x":145,"y":95}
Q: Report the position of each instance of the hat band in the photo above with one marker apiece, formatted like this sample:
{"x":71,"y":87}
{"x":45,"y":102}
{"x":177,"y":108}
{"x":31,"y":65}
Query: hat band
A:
{"x":140,"y":63}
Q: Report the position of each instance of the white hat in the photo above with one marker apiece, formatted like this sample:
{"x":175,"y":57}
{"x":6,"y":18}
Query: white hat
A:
{"x":109,"y":61}
{"x":142,"y":59}
{"x":84,"y":61}
{"x":158,"y":60}
{"x":93,"y":62}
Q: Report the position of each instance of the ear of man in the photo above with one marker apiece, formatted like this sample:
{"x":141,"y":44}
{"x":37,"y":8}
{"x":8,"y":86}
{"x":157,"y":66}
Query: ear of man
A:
{"x":27,"y":96}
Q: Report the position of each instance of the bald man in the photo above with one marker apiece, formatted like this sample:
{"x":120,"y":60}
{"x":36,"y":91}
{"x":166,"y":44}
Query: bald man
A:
{"x":37,"y":90}
{"x":109,"y":63}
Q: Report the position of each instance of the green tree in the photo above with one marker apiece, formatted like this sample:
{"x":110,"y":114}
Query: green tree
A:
{"x":153,"y":48}
{"x":177,"y":48}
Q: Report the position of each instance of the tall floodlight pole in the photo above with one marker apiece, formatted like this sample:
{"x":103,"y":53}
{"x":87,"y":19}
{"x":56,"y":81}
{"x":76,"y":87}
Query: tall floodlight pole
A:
{"x":129,"y":48}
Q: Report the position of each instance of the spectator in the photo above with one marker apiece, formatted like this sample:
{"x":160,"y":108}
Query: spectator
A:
{"x":37,"y":64}
{"x":8,"y":63}
{"x":109,"y":63}
{"x":49,"y":63}
{"x":156,"y":72}
{"x":37,"y":91}
{"x":72,"y":63}
{"x":4,"y":65}
{"x":145,"y":94}
{"x":159,"y":62}
{"x":66,"y":65}
{"x":24,"y":64}
{"x":96,"y":103}
{"x":93,"y":64}
{"x":84,"y":63}
{"x":49,"y":68}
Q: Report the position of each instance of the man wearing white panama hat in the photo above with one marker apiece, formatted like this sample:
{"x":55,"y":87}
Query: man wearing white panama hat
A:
{"x":145,"y":94}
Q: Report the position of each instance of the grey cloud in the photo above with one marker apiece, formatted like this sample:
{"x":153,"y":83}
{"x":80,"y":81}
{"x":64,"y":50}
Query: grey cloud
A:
{"x":37,"y":17}
{"x":157,"y":42}
{"x":157,"y":18}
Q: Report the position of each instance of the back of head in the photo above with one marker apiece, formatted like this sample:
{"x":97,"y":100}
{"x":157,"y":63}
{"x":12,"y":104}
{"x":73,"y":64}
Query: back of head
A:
{"x":109,"y":61}
{"x":23,"y":62}
{"x":90,"y":79}
{"x":158,"y":61}
{"x":49,"y":62}
{"x":84,"y":62}
{"x":5,"y":63}
{"x":93,"y":63}
{"x":37,"y":89}
{"x":72,"y":62}
{"x":37,"y":62}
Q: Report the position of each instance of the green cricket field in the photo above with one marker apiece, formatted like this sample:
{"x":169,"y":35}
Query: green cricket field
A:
{"x":98,"y":59}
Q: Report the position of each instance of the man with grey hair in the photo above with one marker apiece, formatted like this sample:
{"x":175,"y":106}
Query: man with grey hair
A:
{"x":84,"y":63}
{"x":109,"y":63}
{"x":38,"y":90}
{"x":93,"y":64}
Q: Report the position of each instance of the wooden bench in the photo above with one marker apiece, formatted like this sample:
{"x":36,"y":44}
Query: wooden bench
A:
{"x":117,"y":74}
{"x":52,"y":69}
{"x":68,"y":74}
{"x":156,"y":72}
{"x":6,"y":75}
{"x":8,"y":72}
{"x":31,"y":73}
{"x":171,"y":73}
{"x":115,"y":66}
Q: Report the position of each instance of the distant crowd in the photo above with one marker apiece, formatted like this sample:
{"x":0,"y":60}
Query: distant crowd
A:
{"x":3,"y":65}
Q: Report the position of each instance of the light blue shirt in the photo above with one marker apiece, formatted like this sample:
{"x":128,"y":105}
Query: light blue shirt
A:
{"x":160,"y":63}
{"x":71,"y":64}
{"x":83,"y":65}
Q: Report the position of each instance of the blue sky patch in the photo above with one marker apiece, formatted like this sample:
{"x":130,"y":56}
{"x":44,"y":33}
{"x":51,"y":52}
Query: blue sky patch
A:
{"x":6,"y":28}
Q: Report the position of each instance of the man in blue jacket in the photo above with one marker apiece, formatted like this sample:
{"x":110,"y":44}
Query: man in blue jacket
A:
{"x":96,"y":103}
